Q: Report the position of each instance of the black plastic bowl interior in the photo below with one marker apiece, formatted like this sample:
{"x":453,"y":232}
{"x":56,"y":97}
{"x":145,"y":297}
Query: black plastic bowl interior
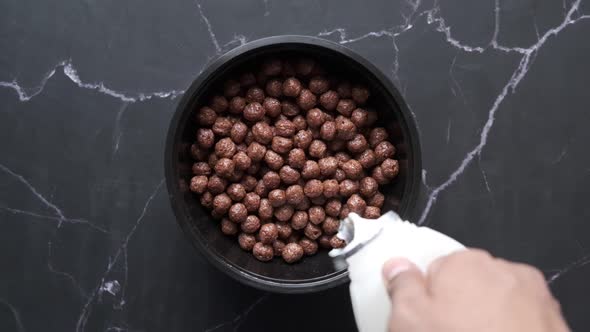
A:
{"x":312,"y":273}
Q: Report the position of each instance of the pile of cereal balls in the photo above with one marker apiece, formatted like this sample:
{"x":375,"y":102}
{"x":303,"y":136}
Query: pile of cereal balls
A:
{"x":284,"y":153}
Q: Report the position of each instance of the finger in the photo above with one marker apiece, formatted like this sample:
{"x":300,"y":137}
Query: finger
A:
{"x":403,"y":278}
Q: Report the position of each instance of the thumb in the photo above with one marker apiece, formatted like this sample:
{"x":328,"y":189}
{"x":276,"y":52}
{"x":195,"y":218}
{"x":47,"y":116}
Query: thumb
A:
{"x":403,"y":278}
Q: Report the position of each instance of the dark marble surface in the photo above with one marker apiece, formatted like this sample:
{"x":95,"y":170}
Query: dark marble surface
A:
{"x":88,"y":241}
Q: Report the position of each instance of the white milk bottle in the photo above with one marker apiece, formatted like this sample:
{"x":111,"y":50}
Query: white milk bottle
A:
{"x":372,"y":242}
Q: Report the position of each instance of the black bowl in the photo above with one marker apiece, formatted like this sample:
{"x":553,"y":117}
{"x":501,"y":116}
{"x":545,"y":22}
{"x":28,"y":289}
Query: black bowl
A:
{"x":313,"y":273}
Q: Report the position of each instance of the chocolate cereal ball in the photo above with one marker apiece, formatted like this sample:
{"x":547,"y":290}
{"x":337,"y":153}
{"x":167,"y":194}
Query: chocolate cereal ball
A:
{"x":331,"y":188}
{"x":359,"y":117}
{"x":360,"y":94}
{"x":277,"y":246}
{"x":219,"y":104}
{"x":345,"y":107}
{"x":317,"y":214}
{"x":300,"y":122}
{"x":236,"y":192}
{"x":225,"y":148}
{"x":315,"y":117}
{"x":285,"y":128}
{"x":333,"y":207}
{"x":296,"y":158}
{"x":377,"y":135}
{"x":312,"y":231}
{"x":379,"y":176}
{"x":318,"y":85}
{"x":313,"y":188}
{"x":348,"y":187}
{"x":206,"y":116}
{"x":337,"y":242}
{"x":339,"y":175}
{"x":198,"y":153}
{"x":228,"y":227}
{"x":372,"y":212}
{"x":328,"y":130}
{"x":236,"y":176}
{"x":299,"y":220}
{"x":241,"y":161}
{"x":274,"y":87}
{"x":383,"y":151}
{"x":356,"y":204}
{"x":353,"y":169}
{"x":238,"y":213}
{"x":306,"y":99}
{"x":271,"y":179}
{"x":201,"y":168}
{"x":317,"y":149}
{"x":206,"y":200}
{"x":324,"y":241}
{"x":205,"y":138}
{"x":221,"y":203}
{"x":311,"y":170}
{"x":273,"y":160}
{"x":281,"y":145}
{"x":254,"y":112}
{"x":199,"y":184}
{"x":390,"y":168}
{"x":302,"y":139}
{"x":272,"y":107}
{"x":225,"y":167}
{"x":345,"y":129}
{"x":237,"y":105}
{"x":256,"y":151}
{"x":246,"y":241}
{"x":216,"y":184}
{"x":310,"y":247}
{"x":238,"y":132}
{"x":250,"y":225}
{"x":284,"y":213}
{"x":251,"y":202}
{"x":285,"y":230}
{"x":330,"y":225}
{"x":342,"y":157}
{"x":329,"y":100}
{"x":289,"y":109}
{"x":255,"y":95}
{"x":222,"y":126}
{"x":320,"y":200}
{"x":265,"y":209}
{"x":328,"y":166}
{"x":277,"y":197}
{"x":292,"y":87}
{"x":294,"y":194}
{"x":304,"y":205}
{"x":367,"y":159}
{"x":377,"y":200}
{"x":272,"y":67}
{"x":263,"y":252}
{"x":268,"y":233}
{"x":289,"y":175}
{"x":357,"y":144}
{"x":368,"y":187}
{"x":292,"y":252}
{"x":262,"y":132}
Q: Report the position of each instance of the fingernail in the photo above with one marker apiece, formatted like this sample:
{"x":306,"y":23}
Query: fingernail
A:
{"x":395,"y":266}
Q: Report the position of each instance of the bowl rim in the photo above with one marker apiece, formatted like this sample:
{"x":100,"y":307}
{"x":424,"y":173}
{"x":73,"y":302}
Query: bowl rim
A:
{"x":208,"y":73}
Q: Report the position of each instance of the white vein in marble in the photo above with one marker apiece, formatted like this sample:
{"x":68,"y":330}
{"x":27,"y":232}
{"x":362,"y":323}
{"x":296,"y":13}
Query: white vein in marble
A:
{"x":239,"y":318}
{"x":568,"y":268}
{"x":510,"y":87}
{"x":17,"y":320}
{"x":87,"y":307}
{"x":70,"y":71}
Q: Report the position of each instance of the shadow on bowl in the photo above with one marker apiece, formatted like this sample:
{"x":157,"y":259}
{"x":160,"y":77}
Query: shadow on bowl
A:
{"x":316,"y":272}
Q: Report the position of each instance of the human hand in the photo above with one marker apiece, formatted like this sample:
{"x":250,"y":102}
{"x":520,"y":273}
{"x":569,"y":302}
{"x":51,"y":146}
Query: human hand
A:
{"x":470,"y":291}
